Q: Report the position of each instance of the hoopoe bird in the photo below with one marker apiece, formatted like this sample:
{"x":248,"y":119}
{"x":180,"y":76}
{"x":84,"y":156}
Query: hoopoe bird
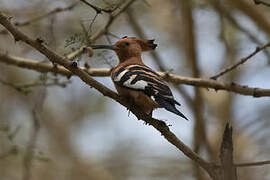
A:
{"x":136,"y":81}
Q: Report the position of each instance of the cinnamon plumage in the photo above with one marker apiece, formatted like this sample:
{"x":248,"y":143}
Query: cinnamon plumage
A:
{"x":136,"y":81}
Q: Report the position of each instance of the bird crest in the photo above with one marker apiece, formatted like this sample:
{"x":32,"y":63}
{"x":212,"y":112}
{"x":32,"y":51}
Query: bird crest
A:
{"x":146,"y":45}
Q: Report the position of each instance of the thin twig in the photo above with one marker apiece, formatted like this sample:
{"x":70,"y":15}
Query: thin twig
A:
{"x":38,"y":18}
{"x":103,"y":30}
{"x":36,"y":111}
{"x":98,"y":9}
{"x":90,"y":26}
{"x":252,"y":12}
{"x":259,"y":163}
{"x":241,"y":61}
{"x":24,"y":88}
{"x":257,"y":2}
{"x":228,"y":15}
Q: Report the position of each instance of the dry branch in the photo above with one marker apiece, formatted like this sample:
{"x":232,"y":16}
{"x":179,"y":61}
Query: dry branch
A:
{"x":227,"y":13}
{"x":112,"y":16}
{"x":199,"y":130}
{"x":72,"y":67}
{"x":259,"y":163}
{"x":253,"y":13}
{"x":257,"y":2}
{"x":242,"y":61}
{"x":38,"y":18}
{"x":101,"y":72}
{"x":25,"y":88}
{"x":155,"y":55}
{"x":98,"y":9}
{"x":228,"y":170}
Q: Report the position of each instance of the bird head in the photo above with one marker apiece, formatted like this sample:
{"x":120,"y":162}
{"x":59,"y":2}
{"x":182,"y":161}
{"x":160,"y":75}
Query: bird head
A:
{"x":128,"y":47}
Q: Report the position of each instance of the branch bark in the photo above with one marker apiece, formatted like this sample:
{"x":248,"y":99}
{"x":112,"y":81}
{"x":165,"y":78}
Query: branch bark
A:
{"x":259,"y":163}
{"x":101,"y":72}
{"x":241,"y":61}
{"x":73,"y":68}
{"x":253,"y":13}
{"x":38,"y":18}
{"x":112,"y":16}
{"x":199,"y":130}
{"x":228,"y":170}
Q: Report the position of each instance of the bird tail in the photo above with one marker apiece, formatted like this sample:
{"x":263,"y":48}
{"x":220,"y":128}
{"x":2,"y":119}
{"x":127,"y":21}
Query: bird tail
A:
{"x":170,"y":107}
{"x":173,"y":109}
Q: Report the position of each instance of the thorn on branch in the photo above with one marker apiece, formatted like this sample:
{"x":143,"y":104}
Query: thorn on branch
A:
{"x":16,"y":39}
{"x":162,"y":124}
{"x":74,"y":64}
{"x":86,"y":65}
{"x":55,"y":66}
{"x":257,"y":49}
{"x":40,"y":40}
{"x":255,"y":92}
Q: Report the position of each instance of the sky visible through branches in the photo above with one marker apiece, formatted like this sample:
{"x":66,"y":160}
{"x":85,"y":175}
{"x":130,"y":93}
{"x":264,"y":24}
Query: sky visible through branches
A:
{"x":96,"y":128}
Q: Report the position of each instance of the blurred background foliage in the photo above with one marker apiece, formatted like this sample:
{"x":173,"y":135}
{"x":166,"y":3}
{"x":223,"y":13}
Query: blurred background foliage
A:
{"x":84,"y":135}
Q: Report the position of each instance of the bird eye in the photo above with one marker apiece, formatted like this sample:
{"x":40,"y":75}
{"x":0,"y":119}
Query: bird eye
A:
{"x":127,"y":43}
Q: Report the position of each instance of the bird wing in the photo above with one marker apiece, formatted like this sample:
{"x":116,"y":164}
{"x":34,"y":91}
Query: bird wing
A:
{"x":142,"y":78}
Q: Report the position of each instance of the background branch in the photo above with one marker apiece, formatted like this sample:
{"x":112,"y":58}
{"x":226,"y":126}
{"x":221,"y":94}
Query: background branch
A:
{"x":101,"y":72}
{"x":157,"y":124}
{"x":103,"y":30}
{"x":43,"y":16}
{"x":200,"y":40}
{"x":242,"y":61}
{"x":257,"y":2}
{"x":259,"y":163}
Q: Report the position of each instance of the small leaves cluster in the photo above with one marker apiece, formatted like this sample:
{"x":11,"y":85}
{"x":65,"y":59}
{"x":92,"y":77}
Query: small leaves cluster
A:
{"x":76,"y":38}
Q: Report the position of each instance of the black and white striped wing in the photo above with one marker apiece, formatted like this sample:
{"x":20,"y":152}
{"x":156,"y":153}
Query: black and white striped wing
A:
{"x":142,"y":78}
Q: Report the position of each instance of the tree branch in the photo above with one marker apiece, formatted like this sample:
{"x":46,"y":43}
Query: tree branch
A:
{"x":189,"y":47}
{"x":228,"y":170}
{"x":259,"y":163}
{"x":98,"y":9}
{"x":72,"y":67}
{"x":241,"y":61}
{"x":38,"y":18}
{"x":113,"y":15}
{"x":229,"y":16}
{"x":28,"y":157}
{"x":253,"y":13}
{"x":25,"y":88}
{"x":140,"y":32}
{"x":101,"y":72}
{"x":257,"y":2}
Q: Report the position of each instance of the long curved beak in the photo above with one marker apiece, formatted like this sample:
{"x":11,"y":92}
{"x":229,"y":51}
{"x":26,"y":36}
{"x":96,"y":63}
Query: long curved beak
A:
{"x":111,"y":47}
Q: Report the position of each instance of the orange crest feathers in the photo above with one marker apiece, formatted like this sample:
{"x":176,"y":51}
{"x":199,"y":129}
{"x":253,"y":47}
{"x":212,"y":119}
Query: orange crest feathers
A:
{"x":146,"y":45}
